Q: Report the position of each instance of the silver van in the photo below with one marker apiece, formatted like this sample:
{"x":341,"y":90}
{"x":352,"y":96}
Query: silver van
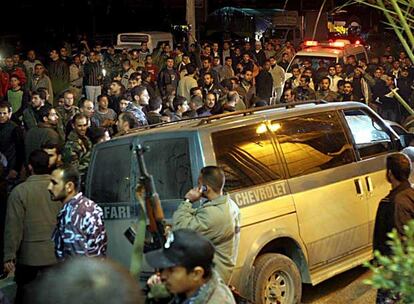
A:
{"x":307,"y":177}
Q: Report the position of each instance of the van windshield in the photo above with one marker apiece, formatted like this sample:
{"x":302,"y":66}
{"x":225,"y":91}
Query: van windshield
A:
{"x":314,"y":60}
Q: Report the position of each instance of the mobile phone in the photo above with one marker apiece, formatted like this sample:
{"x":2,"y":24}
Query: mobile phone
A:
{"x":130,"y":234}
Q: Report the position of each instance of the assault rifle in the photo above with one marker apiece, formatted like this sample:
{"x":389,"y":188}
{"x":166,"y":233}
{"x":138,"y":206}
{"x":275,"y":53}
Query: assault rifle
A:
{"x":155,"y":213}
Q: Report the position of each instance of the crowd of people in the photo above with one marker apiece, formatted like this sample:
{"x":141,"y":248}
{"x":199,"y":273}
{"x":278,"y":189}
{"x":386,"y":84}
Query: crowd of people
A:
{"x":53,"y":112}
{"x":75,"y":100}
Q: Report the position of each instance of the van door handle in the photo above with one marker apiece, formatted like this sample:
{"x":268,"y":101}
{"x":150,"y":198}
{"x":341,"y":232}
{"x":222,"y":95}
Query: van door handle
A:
{"x":358,"y":186}
{"x":368,"y":181}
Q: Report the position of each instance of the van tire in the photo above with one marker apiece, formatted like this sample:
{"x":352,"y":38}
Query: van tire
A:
{"x":276,"y":279}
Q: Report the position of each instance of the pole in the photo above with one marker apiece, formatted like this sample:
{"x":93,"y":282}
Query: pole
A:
{"x":191,"y":20}
{"x":317,"y":20}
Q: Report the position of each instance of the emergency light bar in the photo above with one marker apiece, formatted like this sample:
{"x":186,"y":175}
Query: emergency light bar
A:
{"x":311,"y":43}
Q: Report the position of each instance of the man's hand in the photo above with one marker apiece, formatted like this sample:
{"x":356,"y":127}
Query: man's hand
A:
{"x":193,"y":195}
{"x":140,"y":191}
{"x":9,"y":267}
{"x":154,"y":280}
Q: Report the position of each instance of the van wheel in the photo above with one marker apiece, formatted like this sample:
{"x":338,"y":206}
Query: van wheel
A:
{"x":276,"y":280}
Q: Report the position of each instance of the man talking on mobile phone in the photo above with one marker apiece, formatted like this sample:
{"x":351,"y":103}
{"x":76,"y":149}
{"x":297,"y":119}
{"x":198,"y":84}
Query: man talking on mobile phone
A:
{"x":217,"y":218}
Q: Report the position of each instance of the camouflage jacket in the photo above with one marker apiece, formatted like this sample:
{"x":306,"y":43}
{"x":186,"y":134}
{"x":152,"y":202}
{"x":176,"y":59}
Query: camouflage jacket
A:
{"x":65,"y":115}
{"x":77,"y":152}
{"x":80,"y":229}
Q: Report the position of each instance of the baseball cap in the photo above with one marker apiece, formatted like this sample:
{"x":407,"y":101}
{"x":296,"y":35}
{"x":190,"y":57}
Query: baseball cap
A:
{"x":184,"y":247}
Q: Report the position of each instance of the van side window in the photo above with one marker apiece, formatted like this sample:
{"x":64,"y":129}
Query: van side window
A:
{"x":247,"y":156}
{"x":111,"y":185}
{"x":168,"y":160}
{"x":313,"y":143}
{"x":370,"y":138}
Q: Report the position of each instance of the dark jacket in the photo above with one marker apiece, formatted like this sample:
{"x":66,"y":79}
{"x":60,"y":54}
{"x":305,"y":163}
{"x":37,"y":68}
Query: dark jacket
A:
{"x":403,"y":198}
{"x":264,"y":85}
{"x":40,"y":135}
{"x":167,"y":77}
{"x":11,"y":145}
{"x":394,"y":211}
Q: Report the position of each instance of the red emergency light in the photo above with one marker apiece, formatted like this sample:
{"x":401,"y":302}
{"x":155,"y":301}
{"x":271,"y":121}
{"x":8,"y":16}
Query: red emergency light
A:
{"x":338,"y":44}
{"x":311,"y":43}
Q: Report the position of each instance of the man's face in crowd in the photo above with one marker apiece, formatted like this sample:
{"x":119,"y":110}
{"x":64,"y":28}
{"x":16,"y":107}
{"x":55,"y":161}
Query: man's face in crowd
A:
{"x":103,"y":103}
{"x":115,"y":88}
{"x":378,"y":73}
{"x":63,"y":52}
{"x":229,"y":62}
{"x":389,"y":81}
{"x":208,"y":80}
{"x":144,"y":46}
{"x":177,"y":280}
{"x":4,"y":115}
{"x":338,"y":69}
{"x":184,"y":107}
{"x":404,"y":73}
{"x":68,"y":100}
{"x":53,"y":117}
{"x":9,"y":62}
{"x":39,"y":69}
{"x":351,"y":60}
{"x":325,"y":85}
{"x":210,"y":101}
{"x":215,"y":46}
{"x":37,"y":102}
{"x":347,"y":88}
{"x":14,"y":82}
{"x":144,"y":98}
{"x":31,"y":55}
{"x":308,"y":73}
{"x":123,"y":104}
{"x":296,"y":72}
{"x":56,"y":186}
{"x":267,"y":66}
{"x":54,"y":158}
{"x":396,"y":65}
{"x":307,"y":64}
{"x":16,"y":58}
{"x":170,"y":63}
{"x":80,"y":126}
{"x":216,"y":61}
{"x":246,"y":57}
{"x":121,"y":125}
{"x":289,"y":97}
{"x":53,"y":55}
{"x":88,"y":108}
{"x":206,"y":64}
{"x":272,"y":61}
{"x":226,"y":46}
{"x":76,"y":60}
{"x":248,"y":76}
{"x":302,"y":82}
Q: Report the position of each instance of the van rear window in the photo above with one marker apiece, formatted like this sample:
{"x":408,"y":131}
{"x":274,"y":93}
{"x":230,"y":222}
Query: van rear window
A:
{"x":169,"y":162}
{"x":109,"y":185}
{"x":133,"y":38}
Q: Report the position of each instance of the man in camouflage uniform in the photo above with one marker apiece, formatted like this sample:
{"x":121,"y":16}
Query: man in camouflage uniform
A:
{"x":68,"y":110}
{"x":77,"y":149}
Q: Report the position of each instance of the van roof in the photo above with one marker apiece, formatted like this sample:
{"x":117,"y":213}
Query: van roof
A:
{"x":215,"y":121}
